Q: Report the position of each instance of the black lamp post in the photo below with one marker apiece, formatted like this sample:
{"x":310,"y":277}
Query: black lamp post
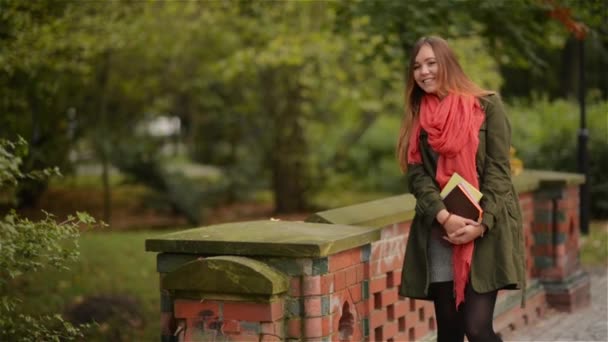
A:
{"x":563,"y":14}
{"x":583,"y":137}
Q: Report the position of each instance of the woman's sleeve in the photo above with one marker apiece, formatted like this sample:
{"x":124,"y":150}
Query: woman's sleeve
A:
{"x":496,"y":180}
{"x":426,"y":191}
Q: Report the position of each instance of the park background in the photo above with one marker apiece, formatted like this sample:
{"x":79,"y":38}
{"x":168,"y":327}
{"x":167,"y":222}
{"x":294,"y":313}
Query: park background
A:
{"x":166,"y":115}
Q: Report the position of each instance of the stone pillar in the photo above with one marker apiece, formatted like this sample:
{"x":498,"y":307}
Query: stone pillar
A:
{"x":265,"y":281}
{"x":556,"y":244}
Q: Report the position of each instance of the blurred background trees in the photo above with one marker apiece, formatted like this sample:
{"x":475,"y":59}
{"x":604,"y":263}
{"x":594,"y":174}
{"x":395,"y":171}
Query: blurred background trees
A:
{"x":288,"y":98}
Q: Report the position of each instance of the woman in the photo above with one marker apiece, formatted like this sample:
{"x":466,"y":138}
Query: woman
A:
{"x":452,"y":125}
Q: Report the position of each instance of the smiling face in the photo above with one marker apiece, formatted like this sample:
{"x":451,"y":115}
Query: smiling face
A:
{"x":425,"y":70}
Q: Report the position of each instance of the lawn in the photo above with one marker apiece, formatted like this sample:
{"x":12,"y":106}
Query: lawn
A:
{"x":111,"y":264}
{"x":594,"y":250}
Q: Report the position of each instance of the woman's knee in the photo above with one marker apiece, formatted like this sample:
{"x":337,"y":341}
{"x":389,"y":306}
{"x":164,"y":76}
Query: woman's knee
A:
{"x":478,"y":331}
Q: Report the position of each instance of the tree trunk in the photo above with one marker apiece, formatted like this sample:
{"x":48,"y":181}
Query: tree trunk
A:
{"x":101,"y":139}
{"x":288,"y":149}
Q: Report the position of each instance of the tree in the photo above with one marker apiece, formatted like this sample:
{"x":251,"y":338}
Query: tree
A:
{"x":528,"y":44}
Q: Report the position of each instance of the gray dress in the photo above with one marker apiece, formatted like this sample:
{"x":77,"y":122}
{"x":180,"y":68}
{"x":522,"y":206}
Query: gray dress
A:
{"x":440,"y":256}
{"x":439,"y":250}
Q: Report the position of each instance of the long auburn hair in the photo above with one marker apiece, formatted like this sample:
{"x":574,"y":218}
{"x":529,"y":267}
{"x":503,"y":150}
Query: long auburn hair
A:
{"x":450,"y":78}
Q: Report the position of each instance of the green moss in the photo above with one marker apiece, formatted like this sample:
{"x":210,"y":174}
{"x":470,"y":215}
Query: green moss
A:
{"x":227,"y":275}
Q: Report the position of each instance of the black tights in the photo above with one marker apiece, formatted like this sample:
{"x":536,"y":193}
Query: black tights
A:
{"x":474,"y":317}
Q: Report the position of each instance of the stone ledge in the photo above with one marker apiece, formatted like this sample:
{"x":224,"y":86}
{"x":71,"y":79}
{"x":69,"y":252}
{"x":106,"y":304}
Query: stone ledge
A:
{"x":265,"y":238}
{"x":376,"y":214}
{"x":390,"y":210}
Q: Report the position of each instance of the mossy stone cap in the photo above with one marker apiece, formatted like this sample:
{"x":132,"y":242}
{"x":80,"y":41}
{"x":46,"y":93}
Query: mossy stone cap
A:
{"x":227,"y":275}
{"x":265,"y":238}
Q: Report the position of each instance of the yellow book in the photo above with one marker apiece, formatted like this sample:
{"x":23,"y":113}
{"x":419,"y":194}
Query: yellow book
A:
{"x":458,"y":179}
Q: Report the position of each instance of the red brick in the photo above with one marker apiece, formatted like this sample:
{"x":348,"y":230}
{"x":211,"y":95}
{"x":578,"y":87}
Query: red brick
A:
{"x":316,"y":326}
{"x":311,"y":286}
{"x":355,"y":292}
{"x":351,"y":275}
{"x":356,"y":255}
{"x":243,"y":337}
{"x":339,"y":280}
{"x":400,"y":337}
{"x":389,"y":330}
{"x":254,"y":312}
{"x":360,"y":272}
{"x":377,"y":284}
{"x":327,"y":284}
{"x":421,"y":331}
{"x":542,"y":227}
{"x":326,"y":325}
{"x":312,"y":306}
{"x":401,"y":308}
{"x":193,"y":308}
{"x":231,"y":326}
{"x":389,"y":296}
{"x":377,"y":318}
{"x":363,"y":308}
{"x":272,"y":328}
{"x":406,"y":225}
{"x":295,"y":287}
{"x":384,"y":248}
{"x":271,"y":338}
{"x":394,"y":230}
{"x":397,"y":278}
{"x":366,"y":271}
{"x":390,"y":263}
{"x":344,"y":259}
{"x":294,"y":327}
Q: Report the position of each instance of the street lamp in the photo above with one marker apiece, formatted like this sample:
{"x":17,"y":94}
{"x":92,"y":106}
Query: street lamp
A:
{"x":580,"y":32}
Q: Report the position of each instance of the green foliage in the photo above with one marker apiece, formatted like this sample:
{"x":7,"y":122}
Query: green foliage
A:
{"x":594,"y":250}
{"x":141,"y":163}
{"x":26,"y":247}
{"x":534,"y":50}
{"x":545,"y":135}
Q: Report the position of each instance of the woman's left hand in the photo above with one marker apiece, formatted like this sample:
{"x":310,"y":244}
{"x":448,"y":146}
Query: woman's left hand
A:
{"x":465,"y":234}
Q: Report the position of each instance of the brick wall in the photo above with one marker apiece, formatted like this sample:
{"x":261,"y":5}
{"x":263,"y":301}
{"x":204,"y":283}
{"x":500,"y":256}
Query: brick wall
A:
{"x":347,"y":290}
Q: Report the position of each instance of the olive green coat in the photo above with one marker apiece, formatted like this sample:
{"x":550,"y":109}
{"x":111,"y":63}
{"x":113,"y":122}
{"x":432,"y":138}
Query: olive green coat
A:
{"x":498,"y":259}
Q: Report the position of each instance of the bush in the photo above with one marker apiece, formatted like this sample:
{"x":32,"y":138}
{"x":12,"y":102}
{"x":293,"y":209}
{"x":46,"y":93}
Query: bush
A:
{"x":27,"y":246}
{"x":545,"y":134}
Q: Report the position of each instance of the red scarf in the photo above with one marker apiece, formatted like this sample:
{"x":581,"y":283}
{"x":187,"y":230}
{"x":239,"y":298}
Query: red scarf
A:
{"x":453,"y":126}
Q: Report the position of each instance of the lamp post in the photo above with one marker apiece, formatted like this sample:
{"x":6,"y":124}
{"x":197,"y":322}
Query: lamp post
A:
{"x":563,"y":14}
{"x":583,"y":137}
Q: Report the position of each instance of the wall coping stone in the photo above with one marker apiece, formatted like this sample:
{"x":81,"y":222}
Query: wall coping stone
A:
{"x":265,"y":238}
{"x":395,"y":209}
{"x":227,"y":275}
{"x":378,"y":213}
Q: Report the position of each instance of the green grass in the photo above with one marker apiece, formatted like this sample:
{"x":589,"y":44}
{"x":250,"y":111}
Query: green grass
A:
{"x":336,"y":199}
{"x":110,"y":263}
{"x":594,"y":250}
